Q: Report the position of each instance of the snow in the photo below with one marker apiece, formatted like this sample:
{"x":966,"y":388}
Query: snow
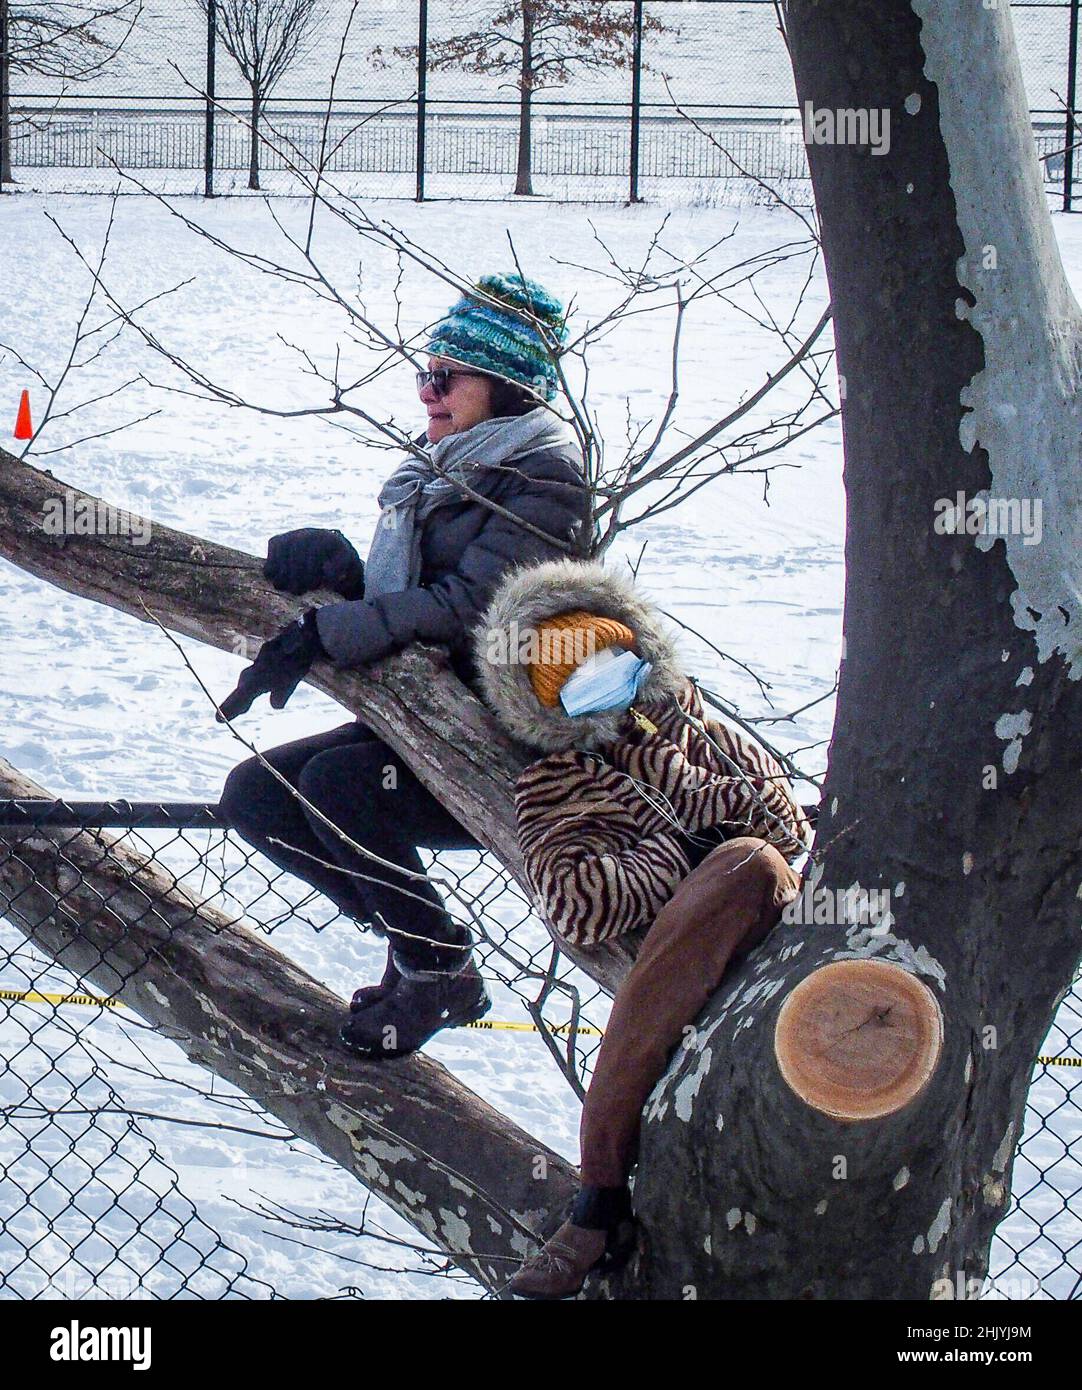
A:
{"x":98,"y":705}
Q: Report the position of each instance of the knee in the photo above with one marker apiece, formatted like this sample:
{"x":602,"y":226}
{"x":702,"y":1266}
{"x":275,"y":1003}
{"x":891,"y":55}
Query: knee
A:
{"x":757,"y":861}
{"x":245,"y":791}
{"x":343,"y":779}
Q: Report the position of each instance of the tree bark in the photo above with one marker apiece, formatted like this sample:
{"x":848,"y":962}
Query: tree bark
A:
{"x":5,"y":93}
{"x":953,"y":782}
{"x":458,"y":1171}
{"x":253,"y":142}
{"x":219,"y":596}
{"x":524,"y":172}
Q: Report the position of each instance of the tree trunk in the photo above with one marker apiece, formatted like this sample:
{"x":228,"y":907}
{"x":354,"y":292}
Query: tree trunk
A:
{"x":5,"y":93}
{"x":463,"y":1175}
{"x":253,"y":143}
{"x":815,"y":1138}
{"x":524,"y":173}
{"x":219,"y":596}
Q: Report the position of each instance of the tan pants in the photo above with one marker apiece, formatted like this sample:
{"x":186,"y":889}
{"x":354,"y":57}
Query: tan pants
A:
{"x":720,"y":911}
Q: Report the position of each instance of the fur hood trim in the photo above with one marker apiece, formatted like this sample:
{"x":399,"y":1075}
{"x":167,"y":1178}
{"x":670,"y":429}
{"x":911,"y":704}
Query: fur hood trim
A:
{"x":525,"y":598}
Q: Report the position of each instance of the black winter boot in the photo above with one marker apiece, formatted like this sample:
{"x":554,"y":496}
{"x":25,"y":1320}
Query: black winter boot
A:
{"x":372,"y":994}
{"x":416,"y":1007}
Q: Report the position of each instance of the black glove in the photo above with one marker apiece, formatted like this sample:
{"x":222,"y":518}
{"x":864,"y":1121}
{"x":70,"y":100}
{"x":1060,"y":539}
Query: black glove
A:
{"x":281,"y":665}
{"x":312,"y":558}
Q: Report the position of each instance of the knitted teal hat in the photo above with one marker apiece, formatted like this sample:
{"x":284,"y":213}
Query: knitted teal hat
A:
{"x":482,"y":334}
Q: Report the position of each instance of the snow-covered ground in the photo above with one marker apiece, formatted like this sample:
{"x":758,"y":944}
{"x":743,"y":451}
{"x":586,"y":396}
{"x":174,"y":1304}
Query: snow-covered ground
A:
{"x":98,"y":705}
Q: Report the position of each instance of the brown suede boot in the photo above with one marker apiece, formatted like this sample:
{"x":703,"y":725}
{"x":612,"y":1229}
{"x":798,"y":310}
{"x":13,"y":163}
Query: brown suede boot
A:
{"x":600,"y":1234}
{"x":559,"y":1269}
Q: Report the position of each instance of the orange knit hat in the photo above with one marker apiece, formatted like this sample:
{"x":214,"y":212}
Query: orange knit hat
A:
{"x":566,"y":641}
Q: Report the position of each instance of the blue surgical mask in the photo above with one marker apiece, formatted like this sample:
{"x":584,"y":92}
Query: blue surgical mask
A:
{"x":605,"y":682}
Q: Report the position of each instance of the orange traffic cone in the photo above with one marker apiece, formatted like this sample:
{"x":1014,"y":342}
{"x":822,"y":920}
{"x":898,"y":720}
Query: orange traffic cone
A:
{"x":23,"y":428}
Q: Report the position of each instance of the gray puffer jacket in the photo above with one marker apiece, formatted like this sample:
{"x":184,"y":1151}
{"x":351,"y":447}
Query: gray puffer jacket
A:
{"x":466,"y":549}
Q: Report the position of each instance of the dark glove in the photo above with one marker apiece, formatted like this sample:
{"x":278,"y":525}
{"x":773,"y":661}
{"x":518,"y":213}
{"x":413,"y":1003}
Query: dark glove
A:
{"x":312,"y":558}
{"x":281,"y":665}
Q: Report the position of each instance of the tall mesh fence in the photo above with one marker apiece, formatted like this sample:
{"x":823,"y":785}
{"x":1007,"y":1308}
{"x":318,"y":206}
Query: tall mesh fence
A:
{"x":682,"y":99}
{"x":91,"y":1204}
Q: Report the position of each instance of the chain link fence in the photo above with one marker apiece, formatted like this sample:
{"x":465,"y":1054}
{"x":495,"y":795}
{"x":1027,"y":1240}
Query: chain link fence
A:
{"x":93,"y":1203}
{"x":681,"y":99}
{"x":89,"y":1204}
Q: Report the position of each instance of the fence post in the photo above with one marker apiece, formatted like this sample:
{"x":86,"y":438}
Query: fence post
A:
{"x":1072,"y":82}
{"x":422,"y":93}
{"x":636,"y":103}
{"x":208,"y":130}
{"x":5,"y":96}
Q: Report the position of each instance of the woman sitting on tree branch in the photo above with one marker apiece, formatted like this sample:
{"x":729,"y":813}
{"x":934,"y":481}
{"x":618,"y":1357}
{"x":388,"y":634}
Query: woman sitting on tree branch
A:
{"x":500,"y":483}
{"x":641,"y":814}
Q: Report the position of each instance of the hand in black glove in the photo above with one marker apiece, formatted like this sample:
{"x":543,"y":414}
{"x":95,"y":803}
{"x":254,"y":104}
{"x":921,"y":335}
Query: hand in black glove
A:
{"x":312,"y":558}
{"x":281,"y":665}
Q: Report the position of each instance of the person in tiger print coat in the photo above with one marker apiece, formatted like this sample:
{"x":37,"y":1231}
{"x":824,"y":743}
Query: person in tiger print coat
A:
{"x":646,"y":818}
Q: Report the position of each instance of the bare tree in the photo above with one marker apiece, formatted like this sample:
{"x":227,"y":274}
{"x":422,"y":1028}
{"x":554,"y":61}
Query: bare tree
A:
{"x":264,"y":38}
{"x":70,"y":40}
{"x":538,"y":44}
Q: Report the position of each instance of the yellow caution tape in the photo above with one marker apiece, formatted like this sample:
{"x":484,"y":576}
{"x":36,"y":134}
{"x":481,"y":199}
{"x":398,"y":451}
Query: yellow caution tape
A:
{"x":33,"y":996}
{"x":496,"y":1024}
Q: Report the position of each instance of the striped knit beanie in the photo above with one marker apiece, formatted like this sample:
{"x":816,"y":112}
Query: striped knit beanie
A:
{"x":565,"y":641}
{"x":483,"y":333}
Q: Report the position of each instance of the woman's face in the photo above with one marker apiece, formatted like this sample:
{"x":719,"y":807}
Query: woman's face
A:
{"x":468,"y":401}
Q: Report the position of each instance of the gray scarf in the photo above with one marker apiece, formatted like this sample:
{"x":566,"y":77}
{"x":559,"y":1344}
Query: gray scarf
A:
{"x":418,"y":486}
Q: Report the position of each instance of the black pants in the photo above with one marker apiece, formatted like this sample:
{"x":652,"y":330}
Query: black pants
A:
{"x":366,"y":790}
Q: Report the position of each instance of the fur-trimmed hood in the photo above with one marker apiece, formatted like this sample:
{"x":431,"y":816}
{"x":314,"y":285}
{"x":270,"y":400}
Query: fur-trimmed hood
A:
{"x":528,"y":596}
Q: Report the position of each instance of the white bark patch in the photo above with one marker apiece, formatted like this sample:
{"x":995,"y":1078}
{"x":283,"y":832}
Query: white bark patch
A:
{"x":1013,"y":729}
{"x":994,"y":1190}
{"x":1002,"y":1155}
{"x":940,"y":1226}
{"x":456,"y":1232}
{"x":821,"y":1207}
{"x":157,"y":995}
{"x":967,"y":863}
{"x":720,"y":1123}
{"x":750,"y":1222}
{"x":912,"y":103}
{"x":706,"y":1244}
{"x":365,"y":1146}
{"x":901,"y":1177}
{"x":409,"y":1195}
{"x":862,"y":944}
{"x":732,"y":1218}
{"x":1024,"y":310}
{"x":688,"y":1089}
{"x":918,"y":1246}
{"x":1025,"y":676}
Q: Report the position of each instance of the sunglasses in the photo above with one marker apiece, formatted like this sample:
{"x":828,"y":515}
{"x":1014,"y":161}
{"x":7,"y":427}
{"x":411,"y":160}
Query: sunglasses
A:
{"x":440,"y":379}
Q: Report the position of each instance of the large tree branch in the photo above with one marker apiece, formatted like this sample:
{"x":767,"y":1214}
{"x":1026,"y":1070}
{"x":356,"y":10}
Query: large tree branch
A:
{"x":454,"y":1167}
{"x":218,"y":595}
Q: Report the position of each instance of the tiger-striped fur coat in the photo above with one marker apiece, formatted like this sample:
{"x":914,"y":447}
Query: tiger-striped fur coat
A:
{"x":608,"y":817}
